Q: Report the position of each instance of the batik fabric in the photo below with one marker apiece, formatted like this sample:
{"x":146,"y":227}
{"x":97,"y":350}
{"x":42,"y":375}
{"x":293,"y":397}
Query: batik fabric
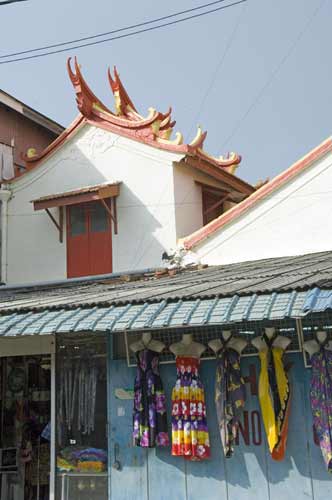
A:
{"x":190,"y":437}
{"x":149,"y":415}
{"x":321,"y":401}
{"x":274,"y":398}
{"x":230,"y":395}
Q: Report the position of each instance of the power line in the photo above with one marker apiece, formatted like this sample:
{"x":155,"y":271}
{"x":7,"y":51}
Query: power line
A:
{"x":91,"y":37}
{"x":283,"y":60}
{"x":5,"y":2}
{"x":97,"y":42}
{"x":215,"y":74}
{"x":217,"y":70}
{"x":273,"y":74}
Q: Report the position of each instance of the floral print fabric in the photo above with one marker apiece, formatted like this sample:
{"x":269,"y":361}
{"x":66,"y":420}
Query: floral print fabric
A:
{"x":190,"y":436}
{"x":230,"y":395}
{"x":149,"y":416}
{"x":321,"y":401}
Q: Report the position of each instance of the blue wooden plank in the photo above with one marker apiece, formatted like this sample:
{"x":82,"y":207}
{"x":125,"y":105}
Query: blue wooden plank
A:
{"x":130,"y":482}
{"x":246,"y":469}
{"x":321,"y":480}
{"x":293,"y":473}
{"x":110,"y":458}
{"x":206,"y":480}
{"x":166,"y":473}
{"x":250,"y":474}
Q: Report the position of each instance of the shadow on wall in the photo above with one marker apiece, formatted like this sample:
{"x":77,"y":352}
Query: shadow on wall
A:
{"x":251,"y":467}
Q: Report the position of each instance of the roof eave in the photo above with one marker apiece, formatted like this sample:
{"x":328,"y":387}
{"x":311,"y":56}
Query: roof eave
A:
{"x":219,"y":173}
{"x":30,"y":113}
{"x":299,"y":166}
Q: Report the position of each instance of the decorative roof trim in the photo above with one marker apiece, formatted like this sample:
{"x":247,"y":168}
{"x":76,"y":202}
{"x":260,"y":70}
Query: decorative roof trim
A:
{"x":32,"y":159}
{"x":268,"y":188}
{"x":154,"y":130}
{"x":221,"y":174}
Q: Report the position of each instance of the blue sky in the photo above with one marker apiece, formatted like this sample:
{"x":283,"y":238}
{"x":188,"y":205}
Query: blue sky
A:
{"x":267,"y":97}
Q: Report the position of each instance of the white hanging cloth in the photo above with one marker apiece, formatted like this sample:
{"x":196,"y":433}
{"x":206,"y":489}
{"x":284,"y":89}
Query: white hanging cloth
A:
{"x":6,"y":163}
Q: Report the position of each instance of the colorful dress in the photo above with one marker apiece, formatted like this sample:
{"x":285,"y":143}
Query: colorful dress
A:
{"x":149,"y":416}
{"x":321,"y":401}
{"x":230,"y":395}
{"x":190,"y":436}
{"x":274,"y":398}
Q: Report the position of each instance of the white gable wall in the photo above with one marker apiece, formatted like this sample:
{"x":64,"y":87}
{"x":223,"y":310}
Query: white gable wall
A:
{"x":295,"y":219}
{"x":188,"y":197}
{"x":146,"y":216}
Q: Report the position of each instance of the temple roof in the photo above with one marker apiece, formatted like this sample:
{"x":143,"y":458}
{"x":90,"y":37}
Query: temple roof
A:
{"x":155,"y":129}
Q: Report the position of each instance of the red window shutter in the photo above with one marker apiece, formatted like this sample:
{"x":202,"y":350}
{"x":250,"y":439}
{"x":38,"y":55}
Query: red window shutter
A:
{"x":89,"y":240}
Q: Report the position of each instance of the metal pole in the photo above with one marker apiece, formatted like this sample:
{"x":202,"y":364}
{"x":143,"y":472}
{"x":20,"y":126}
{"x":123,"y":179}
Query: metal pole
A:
{"x":53,"y":428}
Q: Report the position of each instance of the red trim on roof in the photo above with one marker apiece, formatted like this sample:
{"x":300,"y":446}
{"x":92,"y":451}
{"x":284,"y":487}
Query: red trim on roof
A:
{"x":206,"y":231}
{"x":154,"y":130}
{"x":32,"y":161}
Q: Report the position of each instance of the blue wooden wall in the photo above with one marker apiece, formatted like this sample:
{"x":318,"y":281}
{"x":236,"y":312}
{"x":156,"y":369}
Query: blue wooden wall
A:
{"x":249,"y":474}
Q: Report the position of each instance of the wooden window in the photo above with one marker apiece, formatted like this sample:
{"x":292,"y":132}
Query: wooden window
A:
{"x":212,"y":204}
{"x":89,"y":240}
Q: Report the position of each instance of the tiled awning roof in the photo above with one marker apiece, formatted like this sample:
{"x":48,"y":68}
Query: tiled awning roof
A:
{"x":266,"y":276}
{"x":159,"y":315}
{"x":270,"y":289}
{"x":89,"y":193}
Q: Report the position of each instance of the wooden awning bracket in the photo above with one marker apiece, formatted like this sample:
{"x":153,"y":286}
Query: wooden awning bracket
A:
{"x":112,"y":212}
{"x":58,"y":225}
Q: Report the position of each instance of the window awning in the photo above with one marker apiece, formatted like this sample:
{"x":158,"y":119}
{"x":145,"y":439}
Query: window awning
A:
{"x":81,"y":195}
{"x":99,"y":192}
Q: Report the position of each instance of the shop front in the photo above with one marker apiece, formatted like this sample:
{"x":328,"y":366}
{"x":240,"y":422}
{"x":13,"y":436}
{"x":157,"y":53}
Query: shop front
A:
{"x":70,"y":388}
{"x":53,"y":426}
{"x":27,"y":368}
{"x":81,"y":428}
{"x":250,"y":472}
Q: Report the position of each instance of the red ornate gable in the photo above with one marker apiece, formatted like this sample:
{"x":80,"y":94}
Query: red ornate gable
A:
{"x":156,"y":129}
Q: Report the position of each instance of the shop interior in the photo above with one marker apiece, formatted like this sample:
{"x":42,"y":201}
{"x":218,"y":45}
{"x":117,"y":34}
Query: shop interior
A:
{"x":81,"y":407}
{"x":25,"y":409}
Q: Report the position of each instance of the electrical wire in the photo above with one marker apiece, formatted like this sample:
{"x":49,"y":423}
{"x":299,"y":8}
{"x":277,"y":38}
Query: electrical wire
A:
{"x":217,"y":69}
{"x":5,"y":2}
{"x":106,"y":33}
{"x":139,"y":256}
{"x":266,"y":85}
{"x":145,"y":30}
{"x":273,"y":75}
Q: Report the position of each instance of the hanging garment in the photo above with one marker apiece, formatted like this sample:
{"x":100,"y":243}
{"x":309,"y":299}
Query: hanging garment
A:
{"x":230,"y":395}
{"x":321,"y":401}
{"x":6,"y":163}
{"x":190,"y":436}
{"x":149,"y":415}
{"x":274,"y":398}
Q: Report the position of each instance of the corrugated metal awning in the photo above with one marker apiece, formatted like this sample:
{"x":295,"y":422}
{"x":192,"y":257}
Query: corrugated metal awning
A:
{"x":82,"y":195}
{"x":317,"y":300}
{"x":199,"y":312}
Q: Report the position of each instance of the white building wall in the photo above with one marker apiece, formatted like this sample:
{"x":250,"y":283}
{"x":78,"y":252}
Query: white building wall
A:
{"x":146,"y":216}
{"x":295,"y":219}
{"x":188,"y":198}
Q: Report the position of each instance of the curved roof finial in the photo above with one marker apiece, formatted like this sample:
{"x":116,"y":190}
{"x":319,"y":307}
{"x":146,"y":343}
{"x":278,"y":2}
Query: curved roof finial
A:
{"x":85,"y":98}
{"x":123,"y":103}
